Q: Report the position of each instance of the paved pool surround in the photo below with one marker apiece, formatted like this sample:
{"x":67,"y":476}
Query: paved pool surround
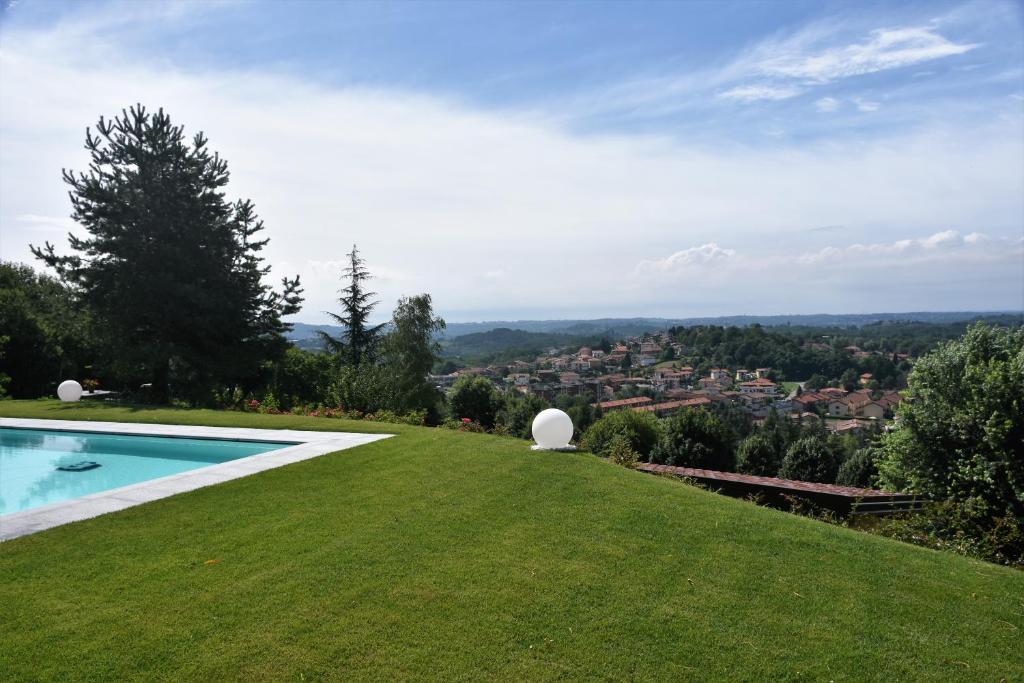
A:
{"x":308,"y":445}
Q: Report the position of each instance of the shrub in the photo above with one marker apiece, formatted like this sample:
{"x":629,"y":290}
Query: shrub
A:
{"x":757,"y":455}
{"x":474,"y":398}
{"x":859,"y":469}
{"x":961,"y":434}
{"x":696,"y":438}
{"x":959,"y":528}
{"x":517,"y":413}
{"x":641,"y":429}
{"x":810,"y":459}
{"x":269,"y":404}
{"x":621,"y":452}
{"x":463,"y":425}
{"x":366,"y":388}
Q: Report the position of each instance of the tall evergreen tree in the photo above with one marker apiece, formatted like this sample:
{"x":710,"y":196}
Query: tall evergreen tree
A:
{"x":359,"y":343}
{"x":170,"y":270}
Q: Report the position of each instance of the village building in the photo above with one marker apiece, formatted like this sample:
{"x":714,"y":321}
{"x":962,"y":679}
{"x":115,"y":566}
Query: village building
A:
{"x":669,"y":407}
{"x":760,"y":385}
{"x":624,"y":403}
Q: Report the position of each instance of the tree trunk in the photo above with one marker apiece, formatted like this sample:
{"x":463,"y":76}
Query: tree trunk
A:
{"x":161,"y":377}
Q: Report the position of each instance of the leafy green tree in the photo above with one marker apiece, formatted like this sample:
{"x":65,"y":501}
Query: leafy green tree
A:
{"x":367,"y":388}
{"x":816,"y":382}
{"x":642,"y":429}
{"x":517,"y":413}
{"x":780,"y":432}
{"x":961,"y":433}
{"x":696,"y":438}
{"x":359,"y":343}
{"x":810,"y":459}
{"x":303,"y":378}
{"x":48,"y":338}
{"x":410,"y":351}
{"x":475,"y":398}
{"x":627,"y":361}
{"x":849,"y":379}
{"x":446,"y":367}
{"x":4,"y":378}
{"x":757,"y":455}
{"x":859,"y":469}
{"x":170,"y":269}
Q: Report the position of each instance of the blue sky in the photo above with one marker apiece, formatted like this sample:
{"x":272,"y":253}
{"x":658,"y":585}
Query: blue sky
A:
{"x":566,"y":159}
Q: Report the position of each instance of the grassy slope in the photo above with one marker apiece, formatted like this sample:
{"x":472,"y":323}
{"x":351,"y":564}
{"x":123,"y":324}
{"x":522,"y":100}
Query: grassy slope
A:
{"x":445,"y":555}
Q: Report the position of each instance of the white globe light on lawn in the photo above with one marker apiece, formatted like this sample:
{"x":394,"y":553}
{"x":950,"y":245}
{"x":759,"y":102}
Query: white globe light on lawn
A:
{"x":552,"y":428}
{"x":69,"y":390}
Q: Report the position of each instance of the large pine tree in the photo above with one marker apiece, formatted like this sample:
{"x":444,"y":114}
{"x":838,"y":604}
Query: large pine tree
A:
{"x":170,"y":269}
{"x":359,"y":343}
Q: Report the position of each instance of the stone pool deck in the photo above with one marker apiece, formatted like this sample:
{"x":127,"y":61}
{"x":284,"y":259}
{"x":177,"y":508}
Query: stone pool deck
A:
{"x":308,"y":445}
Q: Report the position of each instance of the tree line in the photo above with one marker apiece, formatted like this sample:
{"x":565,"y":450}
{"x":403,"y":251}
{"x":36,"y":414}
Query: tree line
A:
{"x":165,"y":295}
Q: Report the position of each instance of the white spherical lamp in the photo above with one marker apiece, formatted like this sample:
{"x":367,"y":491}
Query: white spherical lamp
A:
{"x":552,"y":429}
{"x":69,"y":390}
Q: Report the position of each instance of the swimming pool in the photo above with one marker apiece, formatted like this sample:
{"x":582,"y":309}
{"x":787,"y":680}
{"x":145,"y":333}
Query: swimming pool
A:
{"x":39,"y":467}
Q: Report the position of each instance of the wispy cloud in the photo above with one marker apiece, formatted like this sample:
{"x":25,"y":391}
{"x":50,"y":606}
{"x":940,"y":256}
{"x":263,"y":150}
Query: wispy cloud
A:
{"x":753,"y":93}
{"x":827,"y":105}
{"x":866,"y":105}
{"x":784,"y":67}
{"x":885,"y":48}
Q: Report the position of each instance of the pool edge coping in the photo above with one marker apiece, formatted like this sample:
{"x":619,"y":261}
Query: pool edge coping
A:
{"x":307,"y":445}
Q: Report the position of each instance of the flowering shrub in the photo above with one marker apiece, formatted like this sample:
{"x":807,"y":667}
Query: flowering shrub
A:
{"x":621,"y":452}
{"x":464,"y":425}
{"x":269,"y":406}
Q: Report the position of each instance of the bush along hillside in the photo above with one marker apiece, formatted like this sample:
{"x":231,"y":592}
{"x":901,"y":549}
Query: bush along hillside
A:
{"x":960,"y":442}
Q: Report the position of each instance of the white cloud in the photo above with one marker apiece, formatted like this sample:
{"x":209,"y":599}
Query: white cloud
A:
{"x":437,"y":193}
{"x":810,"y":58}
{"x":947,"y":246}
{"x":939,"y":239}
{"x":866,"y":105}
{"x":827,"y":104}
{"x":886,"y":48}
{"x":753,"y":93}
{"x":687,"y":258}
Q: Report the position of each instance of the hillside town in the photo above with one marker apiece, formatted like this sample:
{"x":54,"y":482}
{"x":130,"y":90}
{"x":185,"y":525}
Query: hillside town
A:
{"x":634,"y":375}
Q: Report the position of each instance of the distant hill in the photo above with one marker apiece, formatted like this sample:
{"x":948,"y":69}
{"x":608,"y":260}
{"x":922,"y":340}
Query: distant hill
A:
{"x":625,"y":327}
{"x":505,"y":344}
{"x":304,"y":334}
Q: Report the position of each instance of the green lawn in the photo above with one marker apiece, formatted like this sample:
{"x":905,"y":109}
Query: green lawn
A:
{"x":444,"y":555}
{"x":788,"y":387}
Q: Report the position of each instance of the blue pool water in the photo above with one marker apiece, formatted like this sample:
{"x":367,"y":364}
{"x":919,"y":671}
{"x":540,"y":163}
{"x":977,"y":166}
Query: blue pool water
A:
{"x":29,"y":459}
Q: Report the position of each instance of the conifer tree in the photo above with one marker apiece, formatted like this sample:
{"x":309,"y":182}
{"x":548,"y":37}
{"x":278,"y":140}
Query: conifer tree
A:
{"x":359,"y":343}
{"x":170,"y":269}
